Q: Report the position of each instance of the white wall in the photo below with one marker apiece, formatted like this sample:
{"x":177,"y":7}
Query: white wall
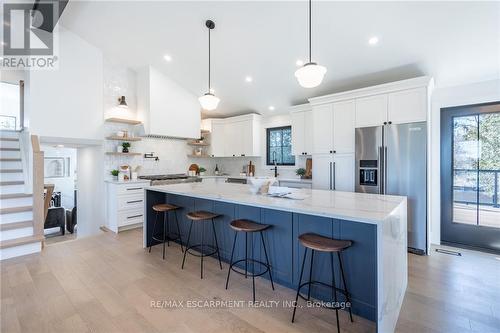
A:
{"x":65,"y":185}
{"x":90,"y":195}
{"x":68,"y":101}
{"x":475,"y":93}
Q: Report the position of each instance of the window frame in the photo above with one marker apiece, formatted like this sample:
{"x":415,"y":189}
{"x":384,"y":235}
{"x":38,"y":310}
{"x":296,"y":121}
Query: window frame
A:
{"x":268,"y":146}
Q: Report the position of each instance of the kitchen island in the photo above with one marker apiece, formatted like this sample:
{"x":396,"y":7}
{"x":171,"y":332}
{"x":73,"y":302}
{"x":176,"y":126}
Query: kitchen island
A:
{"x":375,"y":265}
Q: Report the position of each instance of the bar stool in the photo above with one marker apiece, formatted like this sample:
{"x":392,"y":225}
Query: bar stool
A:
{"x":165,"y":209}
{"x":200,"y":216}
{"x":320,"y":243}
{"x":249,"y":227}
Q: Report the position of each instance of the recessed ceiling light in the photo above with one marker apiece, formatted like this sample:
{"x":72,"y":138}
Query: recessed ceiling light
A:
{"x":271,"y":108}
{"x":373,"y":40}
{"x":299,"y":63}
{"x":167,"y":57}
{"x":248,"y":79}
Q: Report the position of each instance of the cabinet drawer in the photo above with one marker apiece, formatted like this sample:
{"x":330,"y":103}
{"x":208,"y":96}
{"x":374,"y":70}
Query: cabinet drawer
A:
{"x":131,"y":188}
{"x":130,"y":202}
{"x":295,"y":184}
{"x":130,"y":217}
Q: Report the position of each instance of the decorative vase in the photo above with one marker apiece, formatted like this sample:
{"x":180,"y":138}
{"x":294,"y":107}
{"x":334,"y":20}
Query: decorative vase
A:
{"x":125,"y":150}
{"x":119,"y":149}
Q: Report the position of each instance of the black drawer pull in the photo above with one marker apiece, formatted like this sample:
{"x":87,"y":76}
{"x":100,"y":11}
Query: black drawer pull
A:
{"x":134,"y":188}
{"x":134,"y":201}
{"x":133,"y":217}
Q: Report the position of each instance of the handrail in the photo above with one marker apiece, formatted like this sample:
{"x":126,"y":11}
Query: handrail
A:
{"x":495,"y":197}
{"x":38,"y":187}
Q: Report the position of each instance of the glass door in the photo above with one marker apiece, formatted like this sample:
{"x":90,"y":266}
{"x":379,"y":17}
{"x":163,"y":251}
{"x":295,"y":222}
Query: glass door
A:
{"x":470,"y":176}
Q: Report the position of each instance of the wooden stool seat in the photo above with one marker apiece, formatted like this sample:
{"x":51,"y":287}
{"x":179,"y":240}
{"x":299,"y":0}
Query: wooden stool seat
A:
{"x":201,"y":215}
{"x":322,"y":243}
{"x":248,"y":226}
{"x":164,"y":207}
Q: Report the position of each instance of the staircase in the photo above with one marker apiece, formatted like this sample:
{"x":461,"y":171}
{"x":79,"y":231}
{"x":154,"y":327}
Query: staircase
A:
{"x":17,"y":232}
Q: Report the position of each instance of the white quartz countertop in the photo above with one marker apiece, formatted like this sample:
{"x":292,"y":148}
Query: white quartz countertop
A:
{"x":123,"y":182}
{"x":359,"y":207}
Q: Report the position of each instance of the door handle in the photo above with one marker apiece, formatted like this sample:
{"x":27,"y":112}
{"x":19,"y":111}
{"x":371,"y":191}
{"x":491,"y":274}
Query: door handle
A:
{"x":385,"y":170}
{"x":330,"y":175}
{"x":381,"y":168}
{"x":334,"y":177}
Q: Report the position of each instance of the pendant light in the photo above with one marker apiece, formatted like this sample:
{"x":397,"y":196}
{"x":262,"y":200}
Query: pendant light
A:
{"x":122,"y":103}
{"x":208,"y":101}
{"x":311,"y":74}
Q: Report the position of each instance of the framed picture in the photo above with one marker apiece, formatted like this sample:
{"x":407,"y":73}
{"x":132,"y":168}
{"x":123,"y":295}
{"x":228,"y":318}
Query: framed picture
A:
{"x":54,"y":167}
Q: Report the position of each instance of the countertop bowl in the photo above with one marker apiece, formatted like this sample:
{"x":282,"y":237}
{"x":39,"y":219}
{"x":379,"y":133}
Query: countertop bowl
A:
{"x":256,"y":183}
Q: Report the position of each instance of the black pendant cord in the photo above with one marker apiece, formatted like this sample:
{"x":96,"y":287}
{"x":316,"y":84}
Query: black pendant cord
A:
{"x":209,"y":61}
{"x":310,"y":31}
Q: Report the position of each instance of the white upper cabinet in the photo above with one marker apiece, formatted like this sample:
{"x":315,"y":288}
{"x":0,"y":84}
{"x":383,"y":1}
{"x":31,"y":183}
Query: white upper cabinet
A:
{"x":235,"y":136}
{"x":371,"y":111}
{"x":322,"y":116}
{"x":407,"y":106}
{"x":166,"y":108}
{"x":302,"y":124}
{"x":343,"y":127}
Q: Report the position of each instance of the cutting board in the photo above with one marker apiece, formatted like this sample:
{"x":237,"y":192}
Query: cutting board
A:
{"x":309,"y":166}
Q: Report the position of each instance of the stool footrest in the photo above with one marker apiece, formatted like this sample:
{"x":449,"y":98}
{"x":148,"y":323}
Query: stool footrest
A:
{"x":159,"y":238}
{"x":200,"y":253}
{"x":249,"y":274}
{"x":311,"y":283}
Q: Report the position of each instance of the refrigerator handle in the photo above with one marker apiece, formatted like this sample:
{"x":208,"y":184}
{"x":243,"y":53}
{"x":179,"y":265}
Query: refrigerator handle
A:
{"x":330,"y":175}
{"x":385,"y":170}
{"x":381,"y":170}
{"x":333,"y":175}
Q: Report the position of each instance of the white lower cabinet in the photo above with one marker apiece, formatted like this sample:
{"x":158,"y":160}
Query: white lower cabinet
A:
{"x":125,"y":205}
{"x":333,"y":172}
{"x":295,"y":184}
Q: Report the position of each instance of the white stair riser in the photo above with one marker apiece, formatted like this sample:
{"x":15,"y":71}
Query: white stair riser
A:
{"x":9,"y":144}
{"x":16,"y":233}
{"x":11,"y":165}
{"x":16,"y":217}
{"x":9,"y":134}
{"x":20,"y":250}
{"x":10,"y":154}
{"x":16,"y":202}
{"x":10,"y":189}
{"x":10,"y":176}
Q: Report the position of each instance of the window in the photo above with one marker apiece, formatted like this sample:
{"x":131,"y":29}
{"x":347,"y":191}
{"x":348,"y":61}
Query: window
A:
{"x":279,"y":146}
{"x":10,"y":105}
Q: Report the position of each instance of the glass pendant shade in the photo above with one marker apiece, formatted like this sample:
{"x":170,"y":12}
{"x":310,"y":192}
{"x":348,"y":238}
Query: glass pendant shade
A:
{"x":209,"y":102}
{"x":310,"y":75}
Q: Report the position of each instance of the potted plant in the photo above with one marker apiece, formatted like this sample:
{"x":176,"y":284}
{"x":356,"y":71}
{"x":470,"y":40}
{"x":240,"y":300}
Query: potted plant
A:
{"x":126,"y":146}
{"x":201,"y":140}
{"x":301,"y":172}
{"x":202,"y":171}
{"x":115,"y":173}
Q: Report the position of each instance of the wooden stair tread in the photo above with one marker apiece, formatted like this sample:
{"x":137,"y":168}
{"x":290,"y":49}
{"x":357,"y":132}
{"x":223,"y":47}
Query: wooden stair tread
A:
{"x":11,"y":170}
{"x":15,"y":195}
{"x":20,"y":241}
{"x":16,"y":225}
{"x":11,"y":210}
{"x":13,"y":182}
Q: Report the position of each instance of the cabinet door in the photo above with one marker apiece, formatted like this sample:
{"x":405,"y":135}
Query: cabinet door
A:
{"x":298,"y":132}
{"x":245,"y":131}
{"x":217,"y":139}
{"x":308,"y":132}
{"x":343,"y":170}
{"x":407,"y":106}
{"x":323,"y":129}
{"x":232,"y":139}
{"x":343,"y":126}
{"x":371,"y":111}
{"x":322,"y":172}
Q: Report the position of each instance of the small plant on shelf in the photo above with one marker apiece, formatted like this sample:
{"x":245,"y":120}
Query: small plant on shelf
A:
{"x":301,"y":172}
{"x":126,"y":146}
{"x":202,"y":171}
{"x":114,"y":173}
{"x":201,"y":139}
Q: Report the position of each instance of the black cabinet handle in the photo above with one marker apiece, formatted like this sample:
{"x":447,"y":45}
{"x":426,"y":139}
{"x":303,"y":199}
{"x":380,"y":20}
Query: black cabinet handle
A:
{"x":335,"y":152}
{"x":331,"y":151}
{"x":134,"y":201}
{"x":242,"y":154}
{"x":133,"y":217}
{"x":385,"y":122}
{"x":390,"y":122}
{"x":134,"y":188}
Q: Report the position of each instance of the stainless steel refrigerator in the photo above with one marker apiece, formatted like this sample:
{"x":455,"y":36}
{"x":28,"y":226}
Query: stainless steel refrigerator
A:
{"x":392,"y":159}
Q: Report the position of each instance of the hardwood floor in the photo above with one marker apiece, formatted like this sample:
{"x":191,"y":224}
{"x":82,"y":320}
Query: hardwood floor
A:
{"x":107,"y":283}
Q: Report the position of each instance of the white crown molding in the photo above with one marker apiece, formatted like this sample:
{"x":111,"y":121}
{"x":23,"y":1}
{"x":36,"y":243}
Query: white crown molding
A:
{"x":422,"y":81}
{"x":301,"y":107}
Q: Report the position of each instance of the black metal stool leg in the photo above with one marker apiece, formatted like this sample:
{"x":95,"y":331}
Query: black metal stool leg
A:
{"x":246,"y":255}
{"x":253,"y":270}
{"x":201,"y":249}
{"x":167,"y":224}
{"x":216,"y":243}
{"x":153,"y":233}
{"x":231,"y":260}
{"x":348,"y":298}
{"x":164,"y":235}
{"x":310,"y":276}
{"x":178,"y":229}
{"x":267,"y":259}
{"x":298,"y":286}
{"x":187,"y":244}
{"x":334,"y":292}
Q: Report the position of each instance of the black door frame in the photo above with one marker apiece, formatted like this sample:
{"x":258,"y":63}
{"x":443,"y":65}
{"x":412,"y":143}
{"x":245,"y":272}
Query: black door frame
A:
{"x":458,"y":234}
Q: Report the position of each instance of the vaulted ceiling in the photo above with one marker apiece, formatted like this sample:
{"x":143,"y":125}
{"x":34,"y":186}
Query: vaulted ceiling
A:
{"x":455,"y":42}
